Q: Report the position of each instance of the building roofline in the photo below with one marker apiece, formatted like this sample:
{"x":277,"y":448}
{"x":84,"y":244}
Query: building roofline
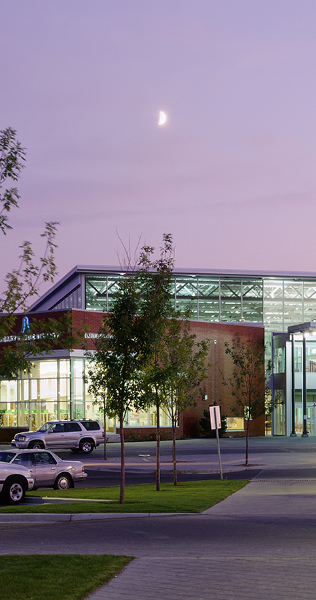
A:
{"x":98,"y":269}
{"x":191,"y":271}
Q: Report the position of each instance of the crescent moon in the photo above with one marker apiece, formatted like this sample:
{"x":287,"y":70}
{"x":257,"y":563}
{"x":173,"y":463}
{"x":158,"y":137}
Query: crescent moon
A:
{"x":162,"y":118}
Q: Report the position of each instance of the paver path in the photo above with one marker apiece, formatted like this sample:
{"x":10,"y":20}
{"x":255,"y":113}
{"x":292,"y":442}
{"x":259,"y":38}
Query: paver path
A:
{"x":205,"y":578}
{"x":262,"y":546}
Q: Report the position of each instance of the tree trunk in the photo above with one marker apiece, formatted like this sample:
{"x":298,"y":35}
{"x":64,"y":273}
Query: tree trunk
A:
{"x":174,"y":456}
{"x":158,"y":449}
{"x":122,"y":486}
{"x":247,"y":443}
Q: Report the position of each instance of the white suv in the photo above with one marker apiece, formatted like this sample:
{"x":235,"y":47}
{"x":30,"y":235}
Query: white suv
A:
{"x":83,"y":435}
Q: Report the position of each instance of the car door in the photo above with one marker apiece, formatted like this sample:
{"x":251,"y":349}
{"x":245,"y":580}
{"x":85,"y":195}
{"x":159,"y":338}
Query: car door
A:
{"x":55,"y":437}
{"x":45,"y":468}
{"x":26,"y":459}
{"x":73,"y":432}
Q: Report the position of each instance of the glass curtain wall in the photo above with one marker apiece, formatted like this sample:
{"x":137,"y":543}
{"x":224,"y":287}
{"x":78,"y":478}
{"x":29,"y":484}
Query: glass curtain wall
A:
{"x":56,"y":390}
{"x":282,"y":384}
{"x":309,"y":301}
{"x":186,"y":295}
{"x":231,"y":300}
{"x":100,"y":290}
{"x":208,"y":298}
{"x":276,"y":302}
{"x":288,"y":302}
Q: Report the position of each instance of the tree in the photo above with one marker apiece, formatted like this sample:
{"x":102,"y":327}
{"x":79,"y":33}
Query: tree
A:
{"x":249,"y":381}
{"x":174,"y":374}
{"x":11,"y":156}
{"x":23,"y":283}
{"x":98,"y":389}
{"x":155,"y":383}
{"x":128,"y":334}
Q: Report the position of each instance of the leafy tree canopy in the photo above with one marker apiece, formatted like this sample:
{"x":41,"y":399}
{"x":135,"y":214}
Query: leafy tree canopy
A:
{"x":12,"y":156}
{"x":23,"y":283}
{"x":248,"y":383}
{"x":128,"y":334}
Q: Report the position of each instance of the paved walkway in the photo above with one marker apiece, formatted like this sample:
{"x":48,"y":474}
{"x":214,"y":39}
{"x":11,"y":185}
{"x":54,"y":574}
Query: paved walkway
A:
{"x":205,"y":578}
{"x":270,"y":553}
{"x":258,"y":544}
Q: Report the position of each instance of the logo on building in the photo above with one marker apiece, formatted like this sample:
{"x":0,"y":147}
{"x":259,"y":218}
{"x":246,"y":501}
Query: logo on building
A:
{"x":25,"y":325}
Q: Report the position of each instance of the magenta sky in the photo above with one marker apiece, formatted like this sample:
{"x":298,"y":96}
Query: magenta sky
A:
{"x":233,"y":173}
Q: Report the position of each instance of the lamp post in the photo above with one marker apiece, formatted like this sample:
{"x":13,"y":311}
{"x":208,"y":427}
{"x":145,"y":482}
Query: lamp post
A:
{"x":304,"y":434}
{"x":293,"y":432}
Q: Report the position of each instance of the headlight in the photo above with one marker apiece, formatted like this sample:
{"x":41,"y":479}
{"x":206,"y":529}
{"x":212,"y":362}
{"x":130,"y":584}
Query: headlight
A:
{"x":20,"y":438}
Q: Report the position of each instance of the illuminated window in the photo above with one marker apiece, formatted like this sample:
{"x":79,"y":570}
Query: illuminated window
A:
{"x":235,"y":424}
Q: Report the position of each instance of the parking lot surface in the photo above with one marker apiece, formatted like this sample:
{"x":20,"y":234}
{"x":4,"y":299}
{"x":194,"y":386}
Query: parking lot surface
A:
{"x":259,"y":543}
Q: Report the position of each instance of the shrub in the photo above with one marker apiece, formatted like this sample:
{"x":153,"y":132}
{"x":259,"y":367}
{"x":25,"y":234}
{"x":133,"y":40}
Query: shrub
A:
{"x":206,"y":425}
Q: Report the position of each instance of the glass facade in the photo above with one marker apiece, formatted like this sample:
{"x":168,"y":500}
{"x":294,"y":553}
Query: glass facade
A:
{"x":100,"y":290}
{"x":146,"y":418}
{"x":288,"y":302}
{"x":186,"y":294}
{"x":208,"y":298}
{"x":276,"y":302}
{"x":283,"y":381}
{"x":56,"y":390}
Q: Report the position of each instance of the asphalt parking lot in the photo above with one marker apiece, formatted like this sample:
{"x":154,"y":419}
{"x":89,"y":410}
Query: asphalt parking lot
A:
{"x":197,"y":459}
{"x":258,"y":543}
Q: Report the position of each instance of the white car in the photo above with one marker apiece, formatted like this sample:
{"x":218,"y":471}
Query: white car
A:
{"x":46,"y":468}
{"x":15,"y":480}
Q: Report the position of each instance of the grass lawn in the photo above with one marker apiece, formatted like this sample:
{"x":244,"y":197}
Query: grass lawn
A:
{"x":56,"y":576}
{"x":192,"y":496}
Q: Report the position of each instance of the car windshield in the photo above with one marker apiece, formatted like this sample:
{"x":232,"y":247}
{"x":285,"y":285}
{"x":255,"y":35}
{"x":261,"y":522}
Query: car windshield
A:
{"x":6,"y":456}
{"x":44,"y":427}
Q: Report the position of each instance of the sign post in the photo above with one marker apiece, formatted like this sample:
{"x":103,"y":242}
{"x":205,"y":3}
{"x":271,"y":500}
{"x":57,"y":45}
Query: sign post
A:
{"x":215,"y":419}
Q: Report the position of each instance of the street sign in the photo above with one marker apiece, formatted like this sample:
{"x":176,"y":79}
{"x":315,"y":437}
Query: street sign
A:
{"x":215,"y":417}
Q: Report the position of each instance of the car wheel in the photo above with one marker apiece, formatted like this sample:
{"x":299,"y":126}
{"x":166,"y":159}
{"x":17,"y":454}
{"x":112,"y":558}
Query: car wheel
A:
{"x":63,"y":482}
{"x":14,"y":491}
{"x":36,"y":445}
{"x":86,"y":447}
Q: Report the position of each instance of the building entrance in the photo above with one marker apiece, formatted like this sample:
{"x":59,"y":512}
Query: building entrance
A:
{"x":311,"y":419}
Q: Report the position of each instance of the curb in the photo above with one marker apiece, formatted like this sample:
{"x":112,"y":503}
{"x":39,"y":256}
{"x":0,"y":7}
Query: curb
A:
{"x":190,"y":471}
{"x":69,"y":518}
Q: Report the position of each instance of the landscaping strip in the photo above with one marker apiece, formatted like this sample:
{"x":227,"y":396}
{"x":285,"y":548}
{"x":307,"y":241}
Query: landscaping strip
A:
{"x":57,"y":576}
{"x":186,"y":497}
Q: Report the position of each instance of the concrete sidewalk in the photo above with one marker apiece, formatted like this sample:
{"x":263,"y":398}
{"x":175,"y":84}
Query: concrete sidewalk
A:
{"x":245,"y":569}
{"x":259,"y":543}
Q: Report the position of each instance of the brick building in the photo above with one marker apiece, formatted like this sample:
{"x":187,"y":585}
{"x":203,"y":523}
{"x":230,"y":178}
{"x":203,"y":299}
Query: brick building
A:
{"x":55,"y":388}
{"x":261,"y":303}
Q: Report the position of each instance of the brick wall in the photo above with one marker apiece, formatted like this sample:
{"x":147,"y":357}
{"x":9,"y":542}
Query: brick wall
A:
{"x":220,"y":365}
